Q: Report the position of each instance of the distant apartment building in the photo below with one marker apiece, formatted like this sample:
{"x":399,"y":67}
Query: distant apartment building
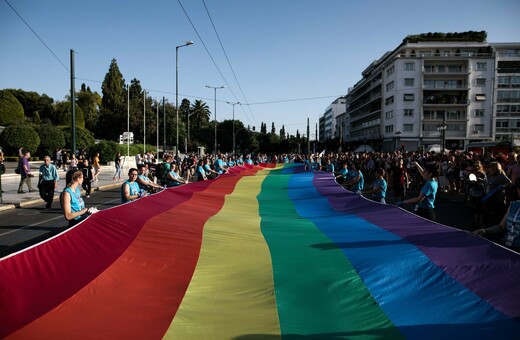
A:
{"x":433,"y":92}
{"x":327,"y":122}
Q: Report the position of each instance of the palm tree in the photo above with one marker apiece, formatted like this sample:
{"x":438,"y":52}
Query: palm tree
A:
{"x":200,"y":113}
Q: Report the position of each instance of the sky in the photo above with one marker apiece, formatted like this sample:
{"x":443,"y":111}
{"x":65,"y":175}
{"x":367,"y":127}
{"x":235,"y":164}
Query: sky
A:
{"x":289,"y":58}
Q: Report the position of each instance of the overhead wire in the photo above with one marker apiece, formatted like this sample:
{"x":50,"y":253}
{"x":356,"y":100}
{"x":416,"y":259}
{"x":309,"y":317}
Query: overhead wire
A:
{"x":36,"y":34}
{"x":229,"y":62}
{"x":207,"y":51}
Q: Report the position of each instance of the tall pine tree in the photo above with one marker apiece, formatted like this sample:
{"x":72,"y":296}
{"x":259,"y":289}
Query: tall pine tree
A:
{"x":112,"y":120}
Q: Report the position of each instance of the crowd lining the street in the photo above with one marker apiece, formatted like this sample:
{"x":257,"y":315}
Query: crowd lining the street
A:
{"x":491,"y":182}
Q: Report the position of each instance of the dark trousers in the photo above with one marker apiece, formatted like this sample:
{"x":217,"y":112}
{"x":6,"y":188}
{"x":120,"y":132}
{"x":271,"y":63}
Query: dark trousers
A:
{"x":87,"y":186}
{"x":428,"y":214}
{"x":47,"y":192}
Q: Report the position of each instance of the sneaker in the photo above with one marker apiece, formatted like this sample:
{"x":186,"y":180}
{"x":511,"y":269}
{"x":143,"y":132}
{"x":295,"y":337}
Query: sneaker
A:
{"x":32,"y":190}
{"x":21,"y":192}
{"x":88,"y":196}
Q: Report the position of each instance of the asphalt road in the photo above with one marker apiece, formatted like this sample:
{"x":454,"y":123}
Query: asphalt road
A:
{"x":21,"y":228}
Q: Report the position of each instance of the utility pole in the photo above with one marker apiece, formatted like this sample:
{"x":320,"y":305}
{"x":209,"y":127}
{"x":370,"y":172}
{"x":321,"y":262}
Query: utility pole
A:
{"x":308,"y":138}
{"x":73,"y":101}
{"x":164,"y":126}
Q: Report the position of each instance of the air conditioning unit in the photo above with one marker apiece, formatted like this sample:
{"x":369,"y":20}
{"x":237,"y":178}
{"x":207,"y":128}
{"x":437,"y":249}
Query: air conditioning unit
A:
{"x":476,"y":132}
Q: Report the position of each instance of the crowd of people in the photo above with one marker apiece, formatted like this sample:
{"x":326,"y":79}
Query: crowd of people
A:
{"x":490,"y":182}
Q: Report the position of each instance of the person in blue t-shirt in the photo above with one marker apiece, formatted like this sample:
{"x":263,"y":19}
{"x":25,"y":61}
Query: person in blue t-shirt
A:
{"x":425,"y":202}
{"x":378,"y":187}
{"x":356,"y":180}
{"x":329,"y":167}
{"x":130,"y":189}
{"x":72,"y":204}
{"x":173,"y":177}
{"x":341,"y":176}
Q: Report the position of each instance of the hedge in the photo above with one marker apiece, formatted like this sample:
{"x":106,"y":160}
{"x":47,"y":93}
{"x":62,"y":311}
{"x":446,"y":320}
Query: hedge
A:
{"x":19,"y":136}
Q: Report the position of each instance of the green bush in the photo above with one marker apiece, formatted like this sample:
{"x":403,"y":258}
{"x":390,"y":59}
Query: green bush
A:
{"x":107,"y":150}
{"x":135,"y":149}
{"x":19,"y":136}
{"x":11,"y":111}
{"x":84,"y":138}
{"x":51,"y":138}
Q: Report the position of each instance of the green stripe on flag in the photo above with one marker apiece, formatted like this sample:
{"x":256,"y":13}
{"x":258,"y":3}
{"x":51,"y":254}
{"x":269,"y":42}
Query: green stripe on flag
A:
{"x":318,"y":292}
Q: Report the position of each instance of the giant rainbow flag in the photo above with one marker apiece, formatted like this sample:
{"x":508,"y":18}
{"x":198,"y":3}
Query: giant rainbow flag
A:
{"x":260,"y":253}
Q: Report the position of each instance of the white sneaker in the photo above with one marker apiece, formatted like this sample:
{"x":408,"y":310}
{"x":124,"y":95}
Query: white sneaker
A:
{"x":88,"y":196}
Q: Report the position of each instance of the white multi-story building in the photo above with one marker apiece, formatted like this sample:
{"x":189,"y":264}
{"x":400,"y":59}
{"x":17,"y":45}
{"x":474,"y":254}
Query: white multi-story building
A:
{"x":507,"y":92}
{"x":328,"y":123}
{"x":437,"y":92}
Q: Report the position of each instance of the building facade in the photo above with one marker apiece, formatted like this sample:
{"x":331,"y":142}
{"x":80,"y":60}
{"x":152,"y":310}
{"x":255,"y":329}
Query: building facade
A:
{"x":436,"y":93}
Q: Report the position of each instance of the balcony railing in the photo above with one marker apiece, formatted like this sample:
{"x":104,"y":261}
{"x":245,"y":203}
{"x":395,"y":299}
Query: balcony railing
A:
{"x":445,"y":87}
{"x":446,"y":70}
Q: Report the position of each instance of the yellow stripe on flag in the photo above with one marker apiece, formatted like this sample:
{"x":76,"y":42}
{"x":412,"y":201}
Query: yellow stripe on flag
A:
{"x":231,"y":293}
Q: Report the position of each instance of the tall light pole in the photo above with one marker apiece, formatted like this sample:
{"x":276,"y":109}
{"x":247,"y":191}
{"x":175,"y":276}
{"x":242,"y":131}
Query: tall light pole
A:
{"x":215,"y":88}
{"x":188,"y":43}
{"x":230,"y":103}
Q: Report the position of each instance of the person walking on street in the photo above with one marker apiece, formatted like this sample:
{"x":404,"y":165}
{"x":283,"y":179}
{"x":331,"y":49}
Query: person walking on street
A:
{"x":88,"y":178}
{"x":117,"y":163}
{"x":96,"y":166}
{"x":48,"y":181}
{"x":25,"y":172}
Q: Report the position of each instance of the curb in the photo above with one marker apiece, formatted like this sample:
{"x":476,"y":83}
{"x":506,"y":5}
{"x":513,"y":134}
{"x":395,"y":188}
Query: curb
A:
{"x":9,"y":206}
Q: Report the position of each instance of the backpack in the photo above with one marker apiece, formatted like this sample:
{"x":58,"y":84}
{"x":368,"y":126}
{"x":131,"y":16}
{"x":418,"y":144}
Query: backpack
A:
{"x":17,"y":170}
{"x":161,"y":172}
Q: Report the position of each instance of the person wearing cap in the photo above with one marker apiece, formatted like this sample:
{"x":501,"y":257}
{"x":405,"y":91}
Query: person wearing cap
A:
{"x":509,"y":227}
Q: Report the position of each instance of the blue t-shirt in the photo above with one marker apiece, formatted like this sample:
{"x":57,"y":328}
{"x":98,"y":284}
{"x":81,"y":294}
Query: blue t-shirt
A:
{"x":343,"y":172}
{"x":76,"y":202}
{"x":133,"y":187}
{"x":330,"y":167}
{"x":219,"y":166}
{"x":172,"y":183}
{"x":358,"y":186}
{"x":512,"y":235}
{"x":429,"y":190}
{"x":379,"y":183}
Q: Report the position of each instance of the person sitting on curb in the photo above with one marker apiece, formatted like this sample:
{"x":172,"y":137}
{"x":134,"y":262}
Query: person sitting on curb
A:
{"x":173,"y":177}
{"x":48,"y":181}
{"x":72,"y":204}
{"x":144,"y":181}
{"x":130,"y":189}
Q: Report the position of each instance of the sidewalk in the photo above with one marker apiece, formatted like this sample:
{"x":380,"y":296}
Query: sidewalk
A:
{"x":10,"y":180}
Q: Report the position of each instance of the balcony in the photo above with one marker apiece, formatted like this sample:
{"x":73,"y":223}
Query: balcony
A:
{"x":445,"y":87}
{"x":507,"y":129}
{"x":439,"y":70}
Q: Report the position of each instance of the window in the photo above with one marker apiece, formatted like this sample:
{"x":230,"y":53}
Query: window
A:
{"x":408,"y":112}
{"x":479,"y":127}
{"x":390,"y":86}
{"x":479,"y":112}
{"x":425,"y":53}
{"x":481,"y":66}
{"x":408,"y":127}
{"x":409,"y":81}
{"x":389,"y":114}
{"x":389,"y":128}
{"x":390,"y":71}
{"x":501,"y":124}
{"x":409,"y":96}
{"x":389,"y":100}
{"x":480,"y":97}
{"x":409,"y":66}
{"x":446,"y":53}
{"x":481,"y":82}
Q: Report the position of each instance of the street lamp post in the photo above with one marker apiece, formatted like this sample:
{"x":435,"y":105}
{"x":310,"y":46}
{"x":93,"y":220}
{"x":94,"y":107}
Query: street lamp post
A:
{"x":230,"y":103}
{"x":215,"y":88}
{"x":442,"y":129}
{"x":188,"y":43}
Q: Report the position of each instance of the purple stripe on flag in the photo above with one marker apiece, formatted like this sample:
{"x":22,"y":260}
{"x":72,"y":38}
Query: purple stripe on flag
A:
{"x":491,"y":272}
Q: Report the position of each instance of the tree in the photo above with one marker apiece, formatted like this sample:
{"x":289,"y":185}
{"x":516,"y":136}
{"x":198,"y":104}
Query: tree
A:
{"x":269,"y":143}
{"x":18,"y":136}
{"x":263,"y":128}
{"x":51,"y":138}
{"x":200,"y":114}
{"x":273,"y":129}
{"x":89,"y":102}
{"x":282,"y":132}
{"x":84,"y":138}
{"x":63,"y":114}
{"x":297,"y":134}
{"x":35,"y":105}
{"x":11,"y":111}
{"x":112,"y":120}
